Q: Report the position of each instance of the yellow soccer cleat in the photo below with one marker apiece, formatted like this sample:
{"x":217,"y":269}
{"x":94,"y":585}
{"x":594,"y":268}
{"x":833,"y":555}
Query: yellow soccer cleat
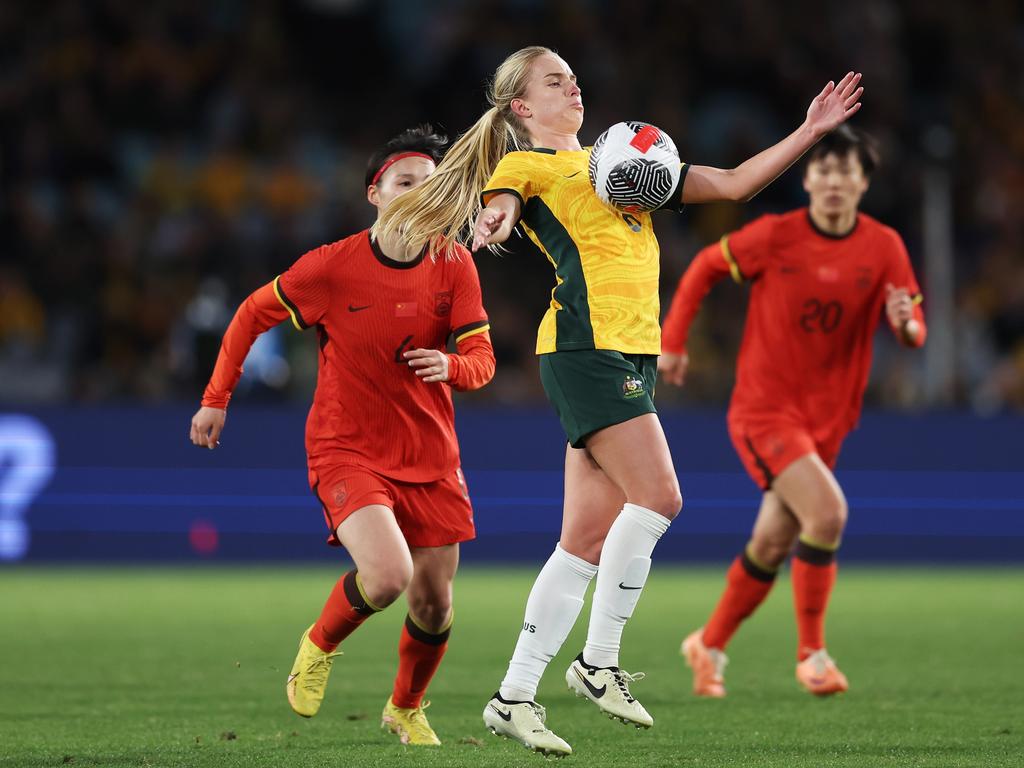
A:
{"x":308,"y":679}
{"x":410,"y":725}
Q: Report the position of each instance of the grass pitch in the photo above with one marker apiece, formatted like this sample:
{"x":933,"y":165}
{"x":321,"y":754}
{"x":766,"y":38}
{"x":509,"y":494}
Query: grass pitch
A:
{"x":186,"y":667}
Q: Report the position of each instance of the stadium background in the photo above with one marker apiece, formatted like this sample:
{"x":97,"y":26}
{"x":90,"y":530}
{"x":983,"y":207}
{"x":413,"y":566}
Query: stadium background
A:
{"x":160,"y":160}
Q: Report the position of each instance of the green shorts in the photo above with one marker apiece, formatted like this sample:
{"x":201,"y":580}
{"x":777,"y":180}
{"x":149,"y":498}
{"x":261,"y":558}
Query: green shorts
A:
{"x":595,"y":388}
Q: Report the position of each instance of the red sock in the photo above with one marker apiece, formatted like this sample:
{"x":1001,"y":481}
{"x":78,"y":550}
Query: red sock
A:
{"x":814,"y":574}
{"x":419,"y":655}
{"x":344,"y":611}
{"x":746,"y":586}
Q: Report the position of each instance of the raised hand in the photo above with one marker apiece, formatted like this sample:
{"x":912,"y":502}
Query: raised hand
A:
{"x":835,"y":104}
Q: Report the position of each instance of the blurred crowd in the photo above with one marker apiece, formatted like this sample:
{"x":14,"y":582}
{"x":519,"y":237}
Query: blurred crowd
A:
{"x":160,"y":160}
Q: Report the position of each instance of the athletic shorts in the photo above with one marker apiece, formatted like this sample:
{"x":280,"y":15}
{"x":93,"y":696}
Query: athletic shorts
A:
{"x":595,"y":388}
{"x":768,"y":447}
{"x":429,"y":514}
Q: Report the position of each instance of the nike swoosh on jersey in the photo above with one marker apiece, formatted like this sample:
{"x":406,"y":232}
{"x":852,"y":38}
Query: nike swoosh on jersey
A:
{"x":352,"y":308}
{"x":569,"y":176}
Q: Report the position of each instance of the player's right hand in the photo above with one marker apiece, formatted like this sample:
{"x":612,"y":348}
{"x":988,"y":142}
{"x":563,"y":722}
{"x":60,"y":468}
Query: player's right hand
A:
{"x":487,"y":224}
{"x":207,"y":425}
{"x":672,"y":367}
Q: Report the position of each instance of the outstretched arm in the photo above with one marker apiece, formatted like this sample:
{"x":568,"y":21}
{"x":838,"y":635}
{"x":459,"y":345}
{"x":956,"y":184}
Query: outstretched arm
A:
{"x":258,"y":313}
{"x":704,"y":271}
{"x":829,"y":109}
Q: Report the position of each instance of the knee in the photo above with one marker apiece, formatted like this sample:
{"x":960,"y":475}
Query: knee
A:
{"x":384,"y":585}
{"x":770,"y":551}
{"x":830,"y":520}
{"x":432,"y":610}
{"x":588,"y":549}
{"x":663,"y":497}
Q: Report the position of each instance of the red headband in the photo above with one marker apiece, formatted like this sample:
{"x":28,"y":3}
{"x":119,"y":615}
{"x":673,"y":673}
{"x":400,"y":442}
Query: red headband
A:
{"x":394,"y":159}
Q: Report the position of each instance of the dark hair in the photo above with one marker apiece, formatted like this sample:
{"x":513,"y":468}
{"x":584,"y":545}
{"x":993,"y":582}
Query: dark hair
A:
{"x":422,"y":138}
{"x":840,"y":142}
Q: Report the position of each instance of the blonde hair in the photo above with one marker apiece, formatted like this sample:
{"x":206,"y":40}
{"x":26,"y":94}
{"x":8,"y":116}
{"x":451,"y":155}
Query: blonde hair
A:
{"x":443,"y":209}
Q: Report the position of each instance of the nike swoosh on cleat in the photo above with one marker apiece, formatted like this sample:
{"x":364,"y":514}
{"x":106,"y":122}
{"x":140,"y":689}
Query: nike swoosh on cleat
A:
{"x":506,"y":716}
{"x":623,"y":586}
{"x":352,"y":308}
{"x":597,"y":692}
{"x":292,"y":677}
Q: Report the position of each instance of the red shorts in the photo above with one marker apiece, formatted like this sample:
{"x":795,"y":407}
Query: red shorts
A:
{"x":428,"y":514}
{"x":768,"y":447}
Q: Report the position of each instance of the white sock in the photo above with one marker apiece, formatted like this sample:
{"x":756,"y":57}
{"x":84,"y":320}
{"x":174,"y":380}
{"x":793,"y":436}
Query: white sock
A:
{"x":625,"y":563}
{"x":551,"y":611}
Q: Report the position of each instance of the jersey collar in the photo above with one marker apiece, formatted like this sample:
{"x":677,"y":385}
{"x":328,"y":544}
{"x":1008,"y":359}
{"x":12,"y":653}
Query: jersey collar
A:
{"x":829,"y":235}
{"x":394,"y":263}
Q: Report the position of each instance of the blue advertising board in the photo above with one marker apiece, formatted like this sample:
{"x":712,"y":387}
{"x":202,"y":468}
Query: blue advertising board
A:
{"x":125,"y":484}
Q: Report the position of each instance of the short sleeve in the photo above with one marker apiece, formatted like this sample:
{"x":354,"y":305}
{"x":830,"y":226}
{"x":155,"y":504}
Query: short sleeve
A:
{"x":468,"y":317}
{"x":517,"y":174}
{"x":304,"y":289}
{"x":748,"y":250}
{"x":675,"y":200}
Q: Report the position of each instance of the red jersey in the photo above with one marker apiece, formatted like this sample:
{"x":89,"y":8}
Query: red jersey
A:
{"x":815,"y":301}
{"x":370,"y":409}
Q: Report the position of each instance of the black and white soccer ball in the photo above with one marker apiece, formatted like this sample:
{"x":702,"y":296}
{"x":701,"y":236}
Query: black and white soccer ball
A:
{"x":634,"y":166}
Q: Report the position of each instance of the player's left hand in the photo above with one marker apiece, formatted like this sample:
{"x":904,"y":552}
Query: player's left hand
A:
{"x":835,"y":104}
{"x":431,"y":365}
{"x":899,"y":307}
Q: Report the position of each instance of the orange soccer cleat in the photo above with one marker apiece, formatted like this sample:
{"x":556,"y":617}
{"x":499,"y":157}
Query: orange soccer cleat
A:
{"x":708,"y":665}
{"x":819,"y":674}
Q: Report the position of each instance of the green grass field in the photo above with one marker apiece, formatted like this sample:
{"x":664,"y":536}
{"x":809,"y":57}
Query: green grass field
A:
{"x":175,"y":667}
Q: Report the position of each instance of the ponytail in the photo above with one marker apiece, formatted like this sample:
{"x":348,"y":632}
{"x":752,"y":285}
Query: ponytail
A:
{"x":442,"y":210}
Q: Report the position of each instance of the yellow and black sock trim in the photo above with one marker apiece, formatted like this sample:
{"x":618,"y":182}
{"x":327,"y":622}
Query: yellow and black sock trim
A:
{"x":357,"y":595}
{"x":416,"y":632}
{"x":814,"y":552}
{"x":755,"y":569}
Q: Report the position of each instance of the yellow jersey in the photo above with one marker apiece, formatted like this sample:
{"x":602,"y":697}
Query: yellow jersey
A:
{"x":606,"y":261}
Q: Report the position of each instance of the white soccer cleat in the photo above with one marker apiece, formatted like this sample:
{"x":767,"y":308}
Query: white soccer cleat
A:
{"x":524,"y":722}
{"x":608,"y":687}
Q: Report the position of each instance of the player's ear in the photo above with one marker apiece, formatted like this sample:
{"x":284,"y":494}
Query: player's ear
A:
{"x":373,"y":196}
{"x":519,"y":108}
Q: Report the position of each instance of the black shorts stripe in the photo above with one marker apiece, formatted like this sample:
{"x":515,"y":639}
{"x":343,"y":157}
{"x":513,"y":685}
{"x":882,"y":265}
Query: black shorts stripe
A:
{"x":769,"y":478}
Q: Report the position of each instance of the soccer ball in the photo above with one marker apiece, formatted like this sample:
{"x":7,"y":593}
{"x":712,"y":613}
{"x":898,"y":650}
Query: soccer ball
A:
{"x":634,"y":166}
